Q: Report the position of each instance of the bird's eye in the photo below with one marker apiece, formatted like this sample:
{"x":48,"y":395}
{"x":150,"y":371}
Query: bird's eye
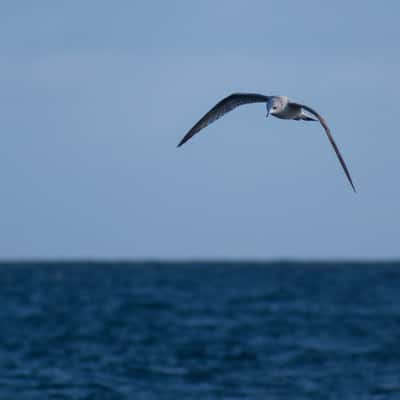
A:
{"x":274,"y":107}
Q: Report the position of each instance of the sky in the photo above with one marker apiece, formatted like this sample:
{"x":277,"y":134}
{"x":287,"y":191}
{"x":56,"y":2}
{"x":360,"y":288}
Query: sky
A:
{"x":95,"y":96}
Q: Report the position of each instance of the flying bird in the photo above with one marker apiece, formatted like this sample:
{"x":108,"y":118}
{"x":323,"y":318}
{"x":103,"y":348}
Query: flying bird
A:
{"x":277,"y":106}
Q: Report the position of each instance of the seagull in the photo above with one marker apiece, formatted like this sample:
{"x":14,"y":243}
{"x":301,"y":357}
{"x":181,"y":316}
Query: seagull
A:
{"x":278,"y":106}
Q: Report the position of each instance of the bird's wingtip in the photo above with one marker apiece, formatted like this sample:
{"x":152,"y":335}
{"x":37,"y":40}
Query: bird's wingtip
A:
{"x":184,"y":140}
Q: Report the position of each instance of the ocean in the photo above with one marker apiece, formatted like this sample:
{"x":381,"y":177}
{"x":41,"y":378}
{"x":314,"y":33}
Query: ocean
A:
{"x":199,"y":331}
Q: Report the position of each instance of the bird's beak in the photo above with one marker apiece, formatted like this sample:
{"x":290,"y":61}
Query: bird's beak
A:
{"x":268,"y":110}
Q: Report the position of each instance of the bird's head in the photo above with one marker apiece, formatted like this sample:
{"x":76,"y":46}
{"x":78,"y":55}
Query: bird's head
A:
{"x":276,"y":104}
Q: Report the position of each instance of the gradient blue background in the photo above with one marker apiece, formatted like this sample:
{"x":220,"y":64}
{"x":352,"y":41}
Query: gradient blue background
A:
{"x":95,"y":95}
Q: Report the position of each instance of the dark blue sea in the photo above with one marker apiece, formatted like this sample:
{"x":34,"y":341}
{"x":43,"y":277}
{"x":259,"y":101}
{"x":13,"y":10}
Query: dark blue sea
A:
{"x":199,"y":331}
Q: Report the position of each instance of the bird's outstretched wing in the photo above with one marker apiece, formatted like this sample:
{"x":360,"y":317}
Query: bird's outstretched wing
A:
{"x":330,"y":137}
{"x":223,"y":107}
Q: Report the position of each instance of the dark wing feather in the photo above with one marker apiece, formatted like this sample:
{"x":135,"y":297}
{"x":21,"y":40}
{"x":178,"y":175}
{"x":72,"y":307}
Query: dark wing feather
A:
{"x":330,"y":137}
{"x":223,"y":107}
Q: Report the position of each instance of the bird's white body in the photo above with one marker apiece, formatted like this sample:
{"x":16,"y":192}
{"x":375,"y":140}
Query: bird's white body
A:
{"x":281,"y":107}
{"x":288,"y":113}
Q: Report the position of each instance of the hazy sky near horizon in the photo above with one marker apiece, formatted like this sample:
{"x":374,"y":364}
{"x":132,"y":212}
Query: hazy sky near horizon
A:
{"x":95,"y":95}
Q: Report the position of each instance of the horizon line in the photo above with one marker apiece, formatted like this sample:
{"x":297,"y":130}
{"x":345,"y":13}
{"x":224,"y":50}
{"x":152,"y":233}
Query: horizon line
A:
{"x":196,"y":260}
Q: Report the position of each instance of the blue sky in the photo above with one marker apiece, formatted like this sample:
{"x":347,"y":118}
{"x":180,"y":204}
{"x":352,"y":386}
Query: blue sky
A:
{"x":95,"y":96}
